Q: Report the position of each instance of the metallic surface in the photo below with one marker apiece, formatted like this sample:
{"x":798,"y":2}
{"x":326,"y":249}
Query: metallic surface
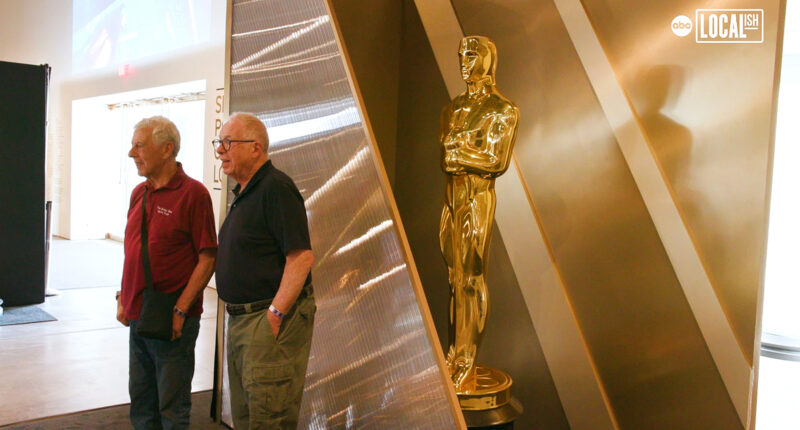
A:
{"x":372,"y":47}
{"x":734,"y":369}
{"x":712,"y":144}
{"x":478,"y":128}
{"x":715,"y":160}
{"x":510,"y":341}
{"x":641,"y":334}
{"x":567,"y":359}
{"x":494,"y":417}
{"x":646,"y":334}
{"x":491,"y":389}
{"x":374,"y":356}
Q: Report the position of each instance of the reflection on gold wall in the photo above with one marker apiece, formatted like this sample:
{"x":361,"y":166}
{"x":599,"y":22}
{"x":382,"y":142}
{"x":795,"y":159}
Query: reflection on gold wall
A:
{"x":705,"y":112}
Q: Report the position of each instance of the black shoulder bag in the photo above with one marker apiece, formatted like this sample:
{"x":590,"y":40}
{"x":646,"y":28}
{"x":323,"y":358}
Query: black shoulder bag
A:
{"x":155,"y":319}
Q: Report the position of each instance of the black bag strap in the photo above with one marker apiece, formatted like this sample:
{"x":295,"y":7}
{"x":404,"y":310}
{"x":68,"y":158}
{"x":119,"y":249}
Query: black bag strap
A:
{"x":148,"y":276}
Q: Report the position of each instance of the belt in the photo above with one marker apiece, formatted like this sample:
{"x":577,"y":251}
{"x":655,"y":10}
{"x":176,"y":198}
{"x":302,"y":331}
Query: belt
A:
{"x":248,"y":308}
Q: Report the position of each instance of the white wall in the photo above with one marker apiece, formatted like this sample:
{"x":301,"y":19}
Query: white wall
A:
{"x":40,"y":31}
{"x":100,"y":144}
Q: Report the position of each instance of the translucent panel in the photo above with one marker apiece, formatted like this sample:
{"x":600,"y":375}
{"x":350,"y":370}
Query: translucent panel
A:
{"x":372,"y":363}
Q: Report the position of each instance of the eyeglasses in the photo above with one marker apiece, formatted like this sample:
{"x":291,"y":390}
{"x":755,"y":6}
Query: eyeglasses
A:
{"x":226,"y":143}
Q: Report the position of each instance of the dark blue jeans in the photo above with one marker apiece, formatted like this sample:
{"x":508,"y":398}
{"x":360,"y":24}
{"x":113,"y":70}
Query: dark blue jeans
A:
{"x":160,"y":379}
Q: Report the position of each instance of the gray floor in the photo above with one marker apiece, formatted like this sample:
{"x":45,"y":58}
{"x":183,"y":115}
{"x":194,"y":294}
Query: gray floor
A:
{"x":80,"y":361}
{"x":116,"y":417}
{"x":84,"y":264}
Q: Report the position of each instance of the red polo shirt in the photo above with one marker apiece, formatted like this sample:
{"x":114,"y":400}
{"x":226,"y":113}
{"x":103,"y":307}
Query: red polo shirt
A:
{"x":180,"y":223}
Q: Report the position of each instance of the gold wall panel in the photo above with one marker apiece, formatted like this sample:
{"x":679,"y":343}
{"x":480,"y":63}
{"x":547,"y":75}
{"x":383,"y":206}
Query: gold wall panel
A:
{"x":373,"y":46}
{"x":646,"y":345}
{"x":706,"y":111}
{"x":375,"y":361}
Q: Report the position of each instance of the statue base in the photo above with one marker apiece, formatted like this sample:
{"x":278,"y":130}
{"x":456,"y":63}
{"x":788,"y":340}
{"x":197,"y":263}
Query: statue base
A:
{"x":488,"y":404}
{"x":490,"y":389}
{"x":501,"y":418}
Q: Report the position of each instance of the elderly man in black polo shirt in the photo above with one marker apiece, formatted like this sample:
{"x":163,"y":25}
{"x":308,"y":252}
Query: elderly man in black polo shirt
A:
{"x":263,"y":274}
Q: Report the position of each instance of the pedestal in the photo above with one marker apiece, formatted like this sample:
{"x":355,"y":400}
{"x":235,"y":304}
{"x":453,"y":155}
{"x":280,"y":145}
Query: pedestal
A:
{"x":501,"y":418}
{"x":488,"y":404}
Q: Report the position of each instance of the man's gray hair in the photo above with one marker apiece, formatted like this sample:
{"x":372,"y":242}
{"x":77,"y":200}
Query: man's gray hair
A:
{"x":254,"y":128}
{"x":162,"y":130}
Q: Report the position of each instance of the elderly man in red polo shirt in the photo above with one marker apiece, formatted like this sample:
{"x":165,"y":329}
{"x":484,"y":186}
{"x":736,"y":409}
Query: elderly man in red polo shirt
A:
{"x":182,"y":245}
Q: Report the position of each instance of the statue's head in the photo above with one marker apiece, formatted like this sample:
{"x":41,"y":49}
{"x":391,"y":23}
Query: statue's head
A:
{"x":478,"y":58}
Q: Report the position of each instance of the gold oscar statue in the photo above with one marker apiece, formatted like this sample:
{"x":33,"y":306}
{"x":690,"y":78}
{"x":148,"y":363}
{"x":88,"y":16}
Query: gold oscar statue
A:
{"x":477,"y":134}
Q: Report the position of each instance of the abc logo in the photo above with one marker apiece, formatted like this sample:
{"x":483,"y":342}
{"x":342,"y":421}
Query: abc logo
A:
{"x":681,"y":25}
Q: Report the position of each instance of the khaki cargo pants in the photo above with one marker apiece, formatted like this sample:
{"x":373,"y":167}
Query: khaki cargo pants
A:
{"x":267,"y":374}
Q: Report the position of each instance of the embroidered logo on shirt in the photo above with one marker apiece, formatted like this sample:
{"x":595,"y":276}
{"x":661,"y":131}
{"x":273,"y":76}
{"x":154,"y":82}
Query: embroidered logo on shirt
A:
{"x":164,"y":211}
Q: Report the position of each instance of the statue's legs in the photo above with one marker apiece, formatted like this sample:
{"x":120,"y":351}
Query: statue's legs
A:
{"x":448,"y":244}
{"x":467,"y":231}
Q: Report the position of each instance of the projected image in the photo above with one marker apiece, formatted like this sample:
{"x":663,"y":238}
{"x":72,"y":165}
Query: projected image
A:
{"x":113,"y":32}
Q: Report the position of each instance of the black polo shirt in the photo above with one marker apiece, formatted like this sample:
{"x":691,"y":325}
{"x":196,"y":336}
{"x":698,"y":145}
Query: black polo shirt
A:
{"x":266,"y":221}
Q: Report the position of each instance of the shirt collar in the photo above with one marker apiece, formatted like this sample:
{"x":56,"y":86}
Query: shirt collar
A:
{"x":260,"y":173}
{"x":174,"y":182}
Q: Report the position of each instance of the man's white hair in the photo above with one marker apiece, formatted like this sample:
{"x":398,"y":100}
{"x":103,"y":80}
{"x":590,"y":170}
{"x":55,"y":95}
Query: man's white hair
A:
{"x":162,"y":130}
{"x":254,"y":128}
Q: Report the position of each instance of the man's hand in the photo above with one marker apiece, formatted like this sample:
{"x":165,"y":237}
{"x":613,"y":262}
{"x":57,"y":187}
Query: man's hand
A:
{"x":177,"y":325}
{"x":298,"y":264}
{"x":121,"y":314}
{"x":197,"y":282}
{"x":275,"y":322}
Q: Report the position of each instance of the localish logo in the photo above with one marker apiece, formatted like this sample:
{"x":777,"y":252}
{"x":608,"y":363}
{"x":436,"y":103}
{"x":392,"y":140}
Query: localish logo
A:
{"x":729,"y":25}
{"x":681,"y":25}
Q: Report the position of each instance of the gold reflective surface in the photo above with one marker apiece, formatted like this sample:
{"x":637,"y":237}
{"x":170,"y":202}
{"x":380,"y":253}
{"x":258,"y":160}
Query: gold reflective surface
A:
{"x":510,"y":341}
{"x":478,"y":130}
{"x":706,"y":111}
{"x":648,"y":351}
{"x":372,"y":356}
{"x":553,"y":350}
{"x":492,"y":389}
